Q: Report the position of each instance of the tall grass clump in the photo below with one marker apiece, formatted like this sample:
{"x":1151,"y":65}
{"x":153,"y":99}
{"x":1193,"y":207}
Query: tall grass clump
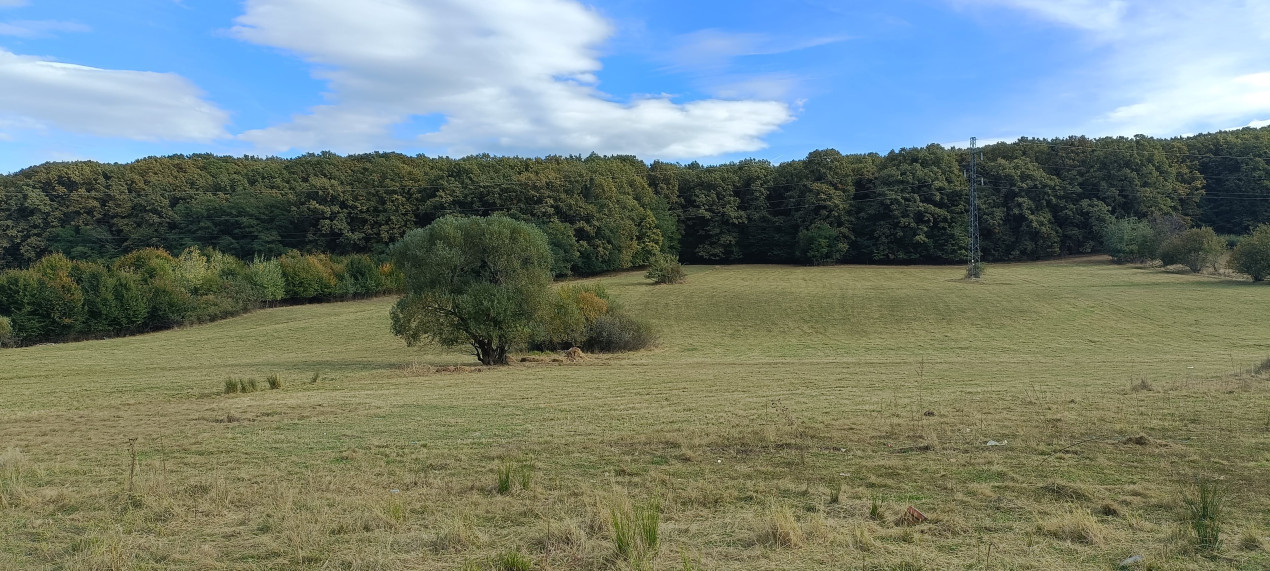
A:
{"x":231,"y":386}
{"x":636,"y":529}
{"x":514,"y":560}
{"x":509,"y":473}
{"x":274,"y":382}
{"x":1204,"y":502}
{"x":504,"y":483}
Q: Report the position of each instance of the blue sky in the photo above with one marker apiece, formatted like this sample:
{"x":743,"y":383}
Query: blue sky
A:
{"x":708,"y":80}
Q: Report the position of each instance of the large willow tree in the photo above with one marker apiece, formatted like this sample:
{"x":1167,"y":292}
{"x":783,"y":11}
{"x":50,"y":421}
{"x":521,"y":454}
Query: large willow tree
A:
{"x":481,"y":282}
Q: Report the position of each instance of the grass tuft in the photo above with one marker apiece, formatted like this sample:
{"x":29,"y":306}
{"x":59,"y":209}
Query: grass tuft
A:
{"x":457,"y":535}
{"x":504,"y":483}
{"x":1262,"y":367}
{"x":1250,"y":540}
{"x":1077,"y":526}
{"x":636,"y":529}
{"x":779,"y":529}
{"x":1204,"y":501}
{"x":274,"y":381}
{"x":648,"y":523}
{"x":514,"y":560}
{"x":875,"y":509}
{"x":231,"y":386}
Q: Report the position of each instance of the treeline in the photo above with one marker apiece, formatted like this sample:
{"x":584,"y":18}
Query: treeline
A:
{"x":59,"y":299}
{"x":1040,"y":198}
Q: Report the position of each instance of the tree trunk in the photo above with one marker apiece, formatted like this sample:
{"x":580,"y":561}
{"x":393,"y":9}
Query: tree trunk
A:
{"x":490,"y":354}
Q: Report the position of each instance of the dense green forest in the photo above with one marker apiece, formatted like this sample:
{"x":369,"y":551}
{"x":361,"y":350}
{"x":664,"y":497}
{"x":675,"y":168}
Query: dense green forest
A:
{"x":1041,"y":198}
{"x":59,"y":299}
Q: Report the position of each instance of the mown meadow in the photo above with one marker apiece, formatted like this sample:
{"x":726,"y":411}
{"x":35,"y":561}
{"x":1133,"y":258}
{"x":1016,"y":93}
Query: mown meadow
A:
{"x":787,"y":419}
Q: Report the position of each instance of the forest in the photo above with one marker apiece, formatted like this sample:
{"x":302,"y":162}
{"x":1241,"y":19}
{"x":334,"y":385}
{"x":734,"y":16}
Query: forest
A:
{"x":1041,"y":198}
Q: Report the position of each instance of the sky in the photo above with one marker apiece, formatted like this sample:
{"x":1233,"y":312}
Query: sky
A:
{"x":711,"y":81}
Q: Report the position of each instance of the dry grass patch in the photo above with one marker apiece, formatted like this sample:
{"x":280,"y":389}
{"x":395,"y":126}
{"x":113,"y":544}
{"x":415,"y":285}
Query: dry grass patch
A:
{"x":778,"y":528}
{"x":772,"y":386}
{"x":1075,"y":525}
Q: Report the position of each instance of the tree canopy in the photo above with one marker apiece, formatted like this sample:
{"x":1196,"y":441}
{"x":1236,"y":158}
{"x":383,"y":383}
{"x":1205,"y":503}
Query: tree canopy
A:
{"x":482,"y":282}
{"x":1040,"y":198}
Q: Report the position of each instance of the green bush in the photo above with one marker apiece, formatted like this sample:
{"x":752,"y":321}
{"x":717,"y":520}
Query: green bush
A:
{"x":665,"y":269}
{"x":148,"y":263}
{"x":307,"y":275}
{"x":1197,"y":248}
{"x":616,"y":332}
{"x":571,"y":311}
{"x":1130,"y":241}
{"x":267,"y":279}
{"x":360,"y":277}
{"x":169,"y":304}
{"x":6,"y":332}
{"x":820,"y":244}
{"x":1252,"y":255}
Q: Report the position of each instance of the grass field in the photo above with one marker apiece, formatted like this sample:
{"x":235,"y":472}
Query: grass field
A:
{"x":788,"y":418}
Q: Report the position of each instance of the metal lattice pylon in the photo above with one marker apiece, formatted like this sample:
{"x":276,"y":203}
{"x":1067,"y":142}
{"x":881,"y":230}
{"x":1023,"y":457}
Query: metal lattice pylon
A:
{"x":974,"y":267}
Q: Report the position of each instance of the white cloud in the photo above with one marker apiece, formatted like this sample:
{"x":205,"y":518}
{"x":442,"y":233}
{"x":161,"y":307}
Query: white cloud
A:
{"x":715,"y":59}
{"x":1088,"y":14}
{"x":38,"y":28}
{"x":12,"y":3}
{"x":510,"y":76}
{"x":1162,"y":67}
{"x":41,"y":94}
{"x":715,"y":49}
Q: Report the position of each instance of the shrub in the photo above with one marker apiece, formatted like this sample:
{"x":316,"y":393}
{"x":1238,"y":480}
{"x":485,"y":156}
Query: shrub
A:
{"x":1196,"y":249}
{"x":169,"y":304}
{"x":1130,"y":241}
{"x":1252,"y":255}
{"x":148,"y":263}
{"x":573,"y":309}
{"x":820,"y":244}
{"x":267,"y":279}
{"x":132,"y":305}
{"x":666,"y":269}
{"x":616,"y":332}
{"x":360,"y":277}
{"x":307,"y":276}
{"x":6,"y":332}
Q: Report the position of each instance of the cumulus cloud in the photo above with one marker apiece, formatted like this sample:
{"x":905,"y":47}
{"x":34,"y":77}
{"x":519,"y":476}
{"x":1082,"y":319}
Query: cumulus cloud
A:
{"x":510,"y":76}
{"x":1164,"y":67}
{"x":40,"y":93}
